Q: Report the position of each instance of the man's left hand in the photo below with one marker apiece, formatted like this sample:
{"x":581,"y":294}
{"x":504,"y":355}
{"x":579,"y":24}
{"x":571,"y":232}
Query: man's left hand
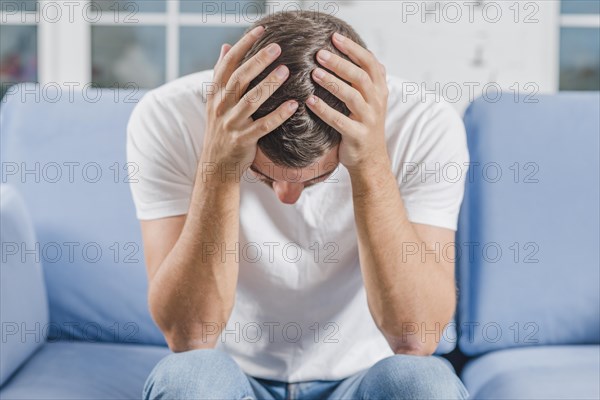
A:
{"x":363,"y":131}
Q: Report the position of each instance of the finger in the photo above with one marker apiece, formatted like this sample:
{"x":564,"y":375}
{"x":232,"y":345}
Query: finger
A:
{"x":348,"y":71}
{"x":233,"y":56}
{"x":361,"y":56}
{"x":242,"y":76}
{"x":220,"y":55}
{"x":340,"y":89}
{"x":261,"y":92}
{"x":225,"y":47}
{"x":224,"y":50}
{"x":269,"y":122}
{"x":330,"y":116}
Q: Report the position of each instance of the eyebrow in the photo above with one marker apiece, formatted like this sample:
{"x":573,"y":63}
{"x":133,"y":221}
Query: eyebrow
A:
{"x":253,"y":168}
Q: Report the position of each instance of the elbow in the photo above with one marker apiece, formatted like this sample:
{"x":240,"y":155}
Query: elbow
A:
{"x":179,"y":342}
{"x":422,"y":336}
{"x":179,"y":333}
{"x":156,"y":307}
{"x":182,"y":337}
{"x":412,"y":338}
{"x":415,"y":348}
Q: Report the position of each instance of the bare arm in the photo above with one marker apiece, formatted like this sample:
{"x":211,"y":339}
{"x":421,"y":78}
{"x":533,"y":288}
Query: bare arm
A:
{"x":192,"y":290}
{"x":192,"y":281}
{"x":409,"y":283}
{"x":406,"y":294}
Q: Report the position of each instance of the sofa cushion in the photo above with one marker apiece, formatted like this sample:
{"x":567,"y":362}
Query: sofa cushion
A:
{"x":79,"y":370}
{"x":23,"y":303}
{"x":545,"y":372}
{"x":529,"y":233}
{"x":65,"y":153}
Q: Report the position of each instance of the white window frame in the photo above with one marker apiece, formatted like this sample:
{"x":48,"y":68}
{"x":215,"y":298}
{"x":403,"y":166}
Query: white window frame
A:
{"x":64,"y":47}
{"x":575,"y":21}
{"x":579,"y":21}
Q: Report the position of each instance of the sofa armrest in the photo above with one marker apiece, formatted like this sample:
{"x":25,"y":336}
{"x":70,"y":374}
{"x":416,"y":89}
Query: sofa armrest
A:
{"x":24,"y":304}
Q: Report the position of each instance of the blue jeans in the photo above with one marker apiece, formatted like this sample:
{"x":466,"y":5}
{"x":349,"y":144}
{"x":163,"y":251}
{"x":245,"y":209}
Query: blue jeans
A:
{"x":213,"y":374}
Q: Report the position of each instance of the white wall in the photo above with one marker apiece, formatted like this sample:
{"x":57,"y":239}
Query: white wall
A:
{"x":463,"y":45}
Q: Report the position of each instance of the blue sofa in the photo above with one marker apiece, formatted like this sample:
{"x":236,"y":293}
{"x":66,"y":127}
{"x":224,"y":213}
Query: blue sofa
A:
{"x":529,"y":268}
{"x":75,"y":323}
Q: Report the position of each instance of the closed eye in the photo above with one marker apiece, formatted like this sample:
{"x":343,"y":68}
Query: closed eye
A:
{"x":321,"y":179}
{"x":266,"y":182}
{"x":308,"y":184}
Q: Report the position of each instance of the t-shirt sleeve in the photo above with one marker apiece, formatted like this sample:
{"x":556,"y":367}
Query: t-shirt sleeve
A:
{"x":163,"y":181}
{"x":432,"y":180}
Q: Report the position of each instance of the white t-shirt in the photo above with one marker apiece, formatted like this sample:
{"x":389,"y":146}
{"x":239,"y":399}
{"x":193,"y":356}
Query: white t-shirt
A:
{"x":301,"y":311}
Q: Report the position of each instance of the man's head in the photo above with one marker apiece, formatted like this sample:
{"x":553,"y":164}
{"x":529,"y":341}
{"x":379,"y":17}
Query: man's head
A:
{"x":304,"y":140}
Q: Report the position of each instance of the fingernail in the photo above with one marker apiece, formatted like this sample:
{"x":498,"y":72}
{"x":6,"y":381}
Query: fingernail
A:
{"x":292,"y":105}
{"x":324,"y":55}
{"x":281,"y":71}
{"x":273,"y":49}
{"x":258,"y":31}
{"x":311,"y":100}
{"x":338,"y":37}
{"x":319,"y":73}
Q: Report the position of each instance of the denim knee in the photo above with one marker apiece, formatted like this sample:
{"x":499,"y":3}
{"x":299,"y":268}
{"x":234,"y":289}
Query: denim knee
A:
{"x":411,"y":377}
{"x":197,"y":374}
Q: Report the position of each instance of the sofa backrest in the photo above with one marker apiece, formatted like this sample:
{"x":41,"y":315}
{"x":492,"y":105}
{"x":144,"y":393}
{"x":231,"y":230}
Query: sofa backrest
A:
{"x":23,"y":305}
{"x":529,"y":225}
{"x":64,"y":150}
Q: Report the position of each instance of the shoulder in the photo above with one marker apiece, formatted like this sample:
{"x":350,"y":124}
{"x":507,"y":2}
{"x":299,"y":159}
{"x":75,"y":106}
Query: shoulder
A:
{"x":195,"y":83}
{"x":169,"y":121}
{"x":172,"y":106}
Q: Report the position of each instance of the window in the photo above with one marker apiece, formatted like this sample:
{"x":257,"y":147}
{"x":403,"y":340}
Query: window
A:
{"x":18,"y":43}
{"x":146,"y":43}
{"x":580,"y":45}
{"x":117,"y":43}
{"x":125,"y":55}
{"x":197,"y":48}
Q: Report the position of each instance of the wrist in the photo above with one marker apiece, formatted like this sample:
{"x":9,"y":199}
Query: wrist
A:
{"x":371,"y":177}
{"x":219,"y":172}
{"x":374,"y":166}
{"x":213,"y":175}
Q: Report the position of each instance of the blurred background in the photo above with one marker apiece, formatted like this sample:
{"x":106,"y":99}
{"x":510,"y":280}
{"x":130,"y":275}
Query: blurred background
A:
{"x":457,"y":49}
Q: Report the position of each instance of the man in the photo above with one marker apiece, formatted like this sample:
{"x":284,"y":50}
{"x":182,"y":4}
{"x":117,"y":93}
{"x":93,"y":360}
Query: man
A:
{"x":289,"y":242}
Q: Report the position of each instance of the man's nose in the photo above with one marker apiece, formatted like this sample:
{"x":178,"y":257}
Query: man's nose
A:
{"x":288,"y":192}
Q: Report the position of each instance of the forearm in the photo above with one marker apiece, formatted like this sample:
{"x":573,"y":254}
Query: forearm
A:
{"x":404,"y":291}
{"x":193,"y":292}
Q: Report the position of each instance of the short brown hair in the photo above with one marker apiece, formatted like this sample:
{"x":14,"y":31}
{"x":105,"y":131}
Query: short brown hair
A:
{"x":304,"y":137}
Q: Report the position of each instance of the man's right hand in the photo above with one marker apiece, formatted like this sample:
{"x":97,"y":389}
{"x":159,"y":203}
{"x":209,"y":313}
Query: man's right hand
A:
{"x":231,"y":134}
